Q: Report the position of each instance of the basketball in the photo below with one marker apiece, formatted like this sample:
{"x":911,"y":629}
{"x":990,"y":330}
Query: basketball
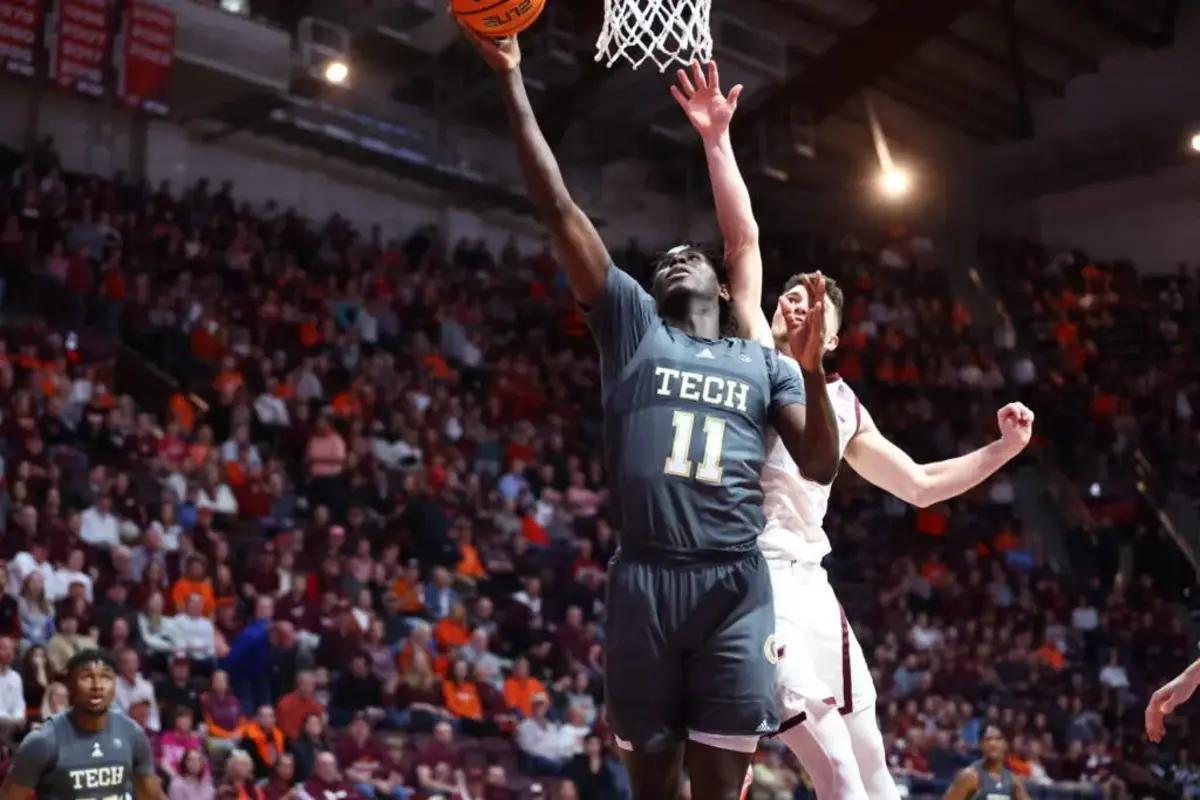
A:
{"x":498,"y":17}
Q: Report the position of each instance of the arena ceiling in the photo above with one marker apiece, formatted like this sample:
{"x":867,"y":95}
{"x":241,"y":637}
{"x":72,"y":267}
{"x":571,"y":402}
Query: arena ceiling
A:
{"x":944,"y":76}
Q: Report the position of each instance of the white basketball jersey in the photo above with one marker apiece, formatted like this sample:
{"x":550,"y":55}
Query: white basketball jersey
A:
{"x":795,"y":506}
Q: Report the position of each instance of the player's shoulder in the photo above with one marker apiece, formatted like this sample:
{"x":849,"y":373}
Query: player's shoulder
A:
{"x":43,"y":742}
{"x":121,"y":724}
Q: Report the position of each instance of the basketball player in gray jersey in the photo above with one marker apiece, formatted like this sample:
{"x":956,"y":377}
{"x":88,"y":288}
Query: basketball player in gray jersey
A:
{"x":689,"y":647}
{"x":988,"y":778}
{"x":88,"y":752}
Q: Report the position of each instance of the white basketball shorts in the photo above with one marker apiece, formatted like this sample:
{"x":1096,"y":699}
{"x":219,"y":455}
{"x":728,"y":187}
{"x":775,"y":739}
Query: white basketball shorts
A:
{"x":821,"y":660}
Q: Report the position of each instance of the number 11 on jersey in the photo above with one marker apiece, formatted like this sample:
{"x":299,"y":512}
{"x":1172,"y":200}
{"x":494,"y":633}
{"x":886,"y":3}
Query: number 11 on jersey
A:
{"x":679,"y":463}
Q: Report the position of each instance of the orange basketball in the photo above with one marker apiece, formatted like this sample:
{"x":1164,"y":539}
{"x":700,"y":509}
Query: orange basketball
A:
{"x":498,"y":17}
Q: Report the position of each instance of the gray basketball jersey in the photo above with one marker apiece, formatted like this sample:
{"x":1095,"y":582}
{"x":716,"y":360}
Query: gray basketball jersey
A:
{"x":991,"y":787}
{"x":685,"y":423}
{"x":63,"y":762}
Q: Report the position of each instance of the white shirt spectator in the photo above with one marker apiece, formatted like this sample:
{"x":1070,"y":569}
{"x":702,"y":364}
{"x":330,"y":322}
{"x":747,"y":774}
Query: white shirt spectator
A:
{"x":195,"y":635}
{"x":272,"y":411}
{"x":221,"y":501}
{"x":545,"y":739}
{"x":308,"y":386}
{"x":970,"y":375}
{"x":1024,"y":373}
{"x":420,"y":401}
{"x":890,"y":258}
{"x":161,"y":638}
{"x":21,"y":566}
{"x":471,"y":355}
{"x":232,"y":451}
{"x":925,"y":637}
{"x":1085,"y":618}
{"x":1001,"y":491}
{"x":99,"y":528}
{"x":396,"y":455}
{"x":12,"y":696}
{"x":169,"y":534}
{"x":139,"y":691}
{"x":177,"y":485}
{"x":58,"y":587}
{"x":368,"y":326}
{"x":1113,"y":676}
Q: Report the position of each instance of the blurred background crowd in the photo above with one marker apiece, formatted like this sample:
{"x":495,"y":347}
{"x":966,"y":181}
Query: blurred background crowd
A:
{"x":333,"y":501}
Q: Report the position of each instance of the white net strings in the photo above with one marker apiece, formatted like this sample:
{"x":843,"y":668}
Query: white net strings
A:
{"x":661,"y":31}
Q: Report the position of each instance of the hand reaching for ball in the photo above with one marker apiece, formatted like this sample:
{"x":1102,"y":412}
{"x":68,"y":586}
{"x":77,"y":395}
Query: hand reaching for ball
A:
{"x":502,"y":55}
{"x":1016,"y":425}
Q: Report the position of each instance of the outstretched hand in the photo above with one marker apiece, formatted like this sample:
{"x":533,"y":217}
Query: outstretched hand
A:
{"x":699,"y":95}
{"x":502,"y":55}
{"x":1163,"y":702}
{"x":806,"y":327}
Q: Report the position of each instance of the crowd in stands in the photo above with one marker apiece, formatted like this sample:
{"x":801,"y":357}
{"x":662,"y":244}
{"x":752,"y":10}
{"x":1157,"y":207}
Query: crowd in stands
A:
{"x":346,"y":529}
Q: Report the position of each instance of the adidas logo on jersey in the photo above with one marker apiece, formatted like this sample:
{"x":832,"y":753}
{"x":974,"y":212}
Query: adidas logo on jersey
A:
{"x":706,"y":353}
{"x":765,"y":726}
{"x":96,"y":751}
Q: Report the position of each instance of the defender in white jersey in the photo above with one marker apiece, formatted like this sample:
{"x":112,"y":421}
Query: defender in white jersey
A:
{"x":825,"y":691}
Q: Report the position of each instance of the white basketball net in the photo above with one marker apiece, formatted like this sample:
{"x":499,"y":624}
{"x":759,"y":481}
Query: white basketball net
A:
{"x":662,"y":31}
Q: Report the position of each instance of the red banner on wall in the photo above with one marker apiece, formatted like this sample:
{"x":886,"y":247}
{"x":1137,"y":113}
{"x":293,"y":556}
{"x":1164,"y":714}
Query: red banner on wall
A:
{"x":20,"y":22}
{"x":82,"y":33}
{"x":145,"y":71}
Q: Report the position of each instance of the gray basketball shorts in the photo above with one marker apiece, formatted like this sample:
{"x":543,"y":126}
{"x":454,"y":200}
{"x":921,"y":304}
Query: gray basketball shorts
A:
{"x":690,"y":648}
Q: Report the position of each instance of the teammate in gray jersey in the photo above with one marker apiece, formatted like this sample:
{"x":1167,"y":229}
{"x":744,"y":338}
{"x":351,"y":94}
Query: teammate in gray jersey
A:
{"x":89,"y":752}
{"x":690,"y":651}
{"x":988,"y":778}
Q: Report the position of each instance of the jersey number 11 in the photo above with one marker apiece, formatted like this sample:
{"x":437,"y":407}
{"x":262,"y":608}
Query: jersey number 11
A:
{"x":678,"y":463}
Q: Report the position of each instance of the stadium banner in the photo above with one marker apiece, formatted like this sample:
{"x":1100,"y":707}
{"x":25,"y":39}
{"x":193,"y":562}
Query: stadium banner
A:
{"x":20,"y":24}
{"x":144,"y":67}
{"x":77,"y":59}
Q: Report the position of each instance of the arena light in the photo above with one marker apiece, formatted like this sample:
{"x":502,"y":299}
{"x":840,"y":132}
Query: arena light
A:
{"x":895,"y":182}
{"x":1196,"y":143}
{"x":336,"y":72}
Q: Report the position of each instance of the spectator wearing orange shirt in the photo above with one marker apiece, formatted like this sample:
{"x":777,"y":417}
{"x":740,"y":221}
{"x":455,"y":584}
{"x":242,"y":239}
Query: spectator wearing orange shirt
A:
{"x":409,"y":589}
{"x":470,"y":566}
{"x":520,"y":688}
{"x":295,"y":706}
{"x":453,"y":631}
{"x":462,"y":699}
{"x":1051,"y":656}
{"x":195,"y":581}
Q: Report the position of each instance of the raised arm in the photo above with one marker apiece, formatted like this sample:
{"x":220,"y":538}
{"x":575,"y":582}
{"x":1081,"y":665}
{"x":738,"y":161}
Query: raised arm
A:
{"x":576,"y":241}
{"x":1169,"y":697}
{"x":710,"y":112}
{"x":809,"y":431}
{"x":885,"y":465}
